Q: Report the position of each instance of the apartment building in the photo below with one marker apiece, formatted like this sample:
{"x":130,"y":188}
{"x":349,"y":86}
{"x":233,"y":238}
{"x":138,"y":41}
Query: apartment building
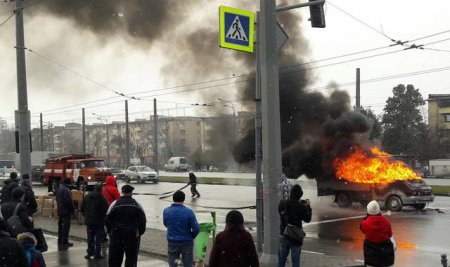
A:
{"x":439,"y":116}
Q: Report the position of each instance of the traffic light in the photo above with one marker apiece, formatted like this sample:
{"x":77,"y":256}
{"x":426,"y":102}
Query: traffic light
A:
{"x":317,"y":15}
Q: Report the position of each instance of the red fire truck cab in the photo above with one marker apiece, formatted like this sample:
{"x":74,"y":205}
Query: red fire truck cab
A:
{"x":78,"y":167}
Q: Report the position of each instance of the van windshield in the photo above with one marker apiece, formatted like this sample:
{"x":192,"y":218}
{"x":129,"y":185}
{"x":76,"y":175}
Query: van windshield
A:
{"x":183,"y":161}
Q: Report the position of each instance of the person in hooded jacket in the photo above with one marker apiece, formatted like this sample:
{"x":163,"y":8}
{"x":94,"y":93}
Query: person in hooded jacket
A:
{"x":110,"y":191}
{"x":17,"y":201}
{"x":234,"y":247}
{"x":34,"y":257}
{"x":292,"y":211}
{"x":8,"y":187}
{"x":30,"y":198}
{"x":94,"y":208}
{"x":193,"y":183}
{"x":11,"y":252}
{"x":378,"y":248}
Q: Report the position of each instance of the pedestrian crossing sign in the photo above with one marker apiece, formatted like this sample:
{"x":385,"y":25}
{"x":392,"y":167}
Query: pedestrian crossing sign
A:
{"x":236,"y":28}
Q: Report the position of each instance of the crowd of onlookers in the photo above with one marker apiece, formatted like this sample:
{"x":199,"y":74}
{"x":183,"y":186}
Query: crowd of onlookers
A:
{"x":118,"y":216}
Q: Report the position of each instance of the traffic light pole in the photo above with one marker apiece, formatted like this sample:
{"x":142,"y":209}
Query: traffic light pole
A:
{"x":267,"y":57}
{"x":271,"y":136}
{"x":22,"y":114}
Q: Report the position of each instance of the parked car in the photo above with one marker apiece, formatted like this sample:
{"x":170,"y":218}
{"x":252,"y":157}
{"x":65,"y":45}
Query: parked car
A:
{"x":119,"y":174}
{"x":141,"y":174}
{"x":37,"y":172}
{"x":177,"y":164}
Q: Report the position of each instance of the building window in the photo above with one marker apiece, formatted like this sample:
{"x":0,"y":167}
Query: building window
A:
{"x":182,"y":141}
{"x":182,"y":132}
{"x":198,"y":123}
{"x":447,"y":117}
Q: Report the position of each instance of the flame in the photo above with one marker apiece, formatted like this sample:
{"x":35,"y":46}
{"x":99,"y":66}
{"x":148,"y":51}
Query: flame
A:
{"x":379,"y":167}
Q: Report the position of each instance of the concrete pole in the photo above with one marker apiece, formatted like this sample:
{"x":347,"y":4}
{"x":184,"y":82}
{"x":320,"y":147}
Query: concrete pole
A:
{"x":358,"y":93}
{"x":258,"y":152}
{"x":155,"y":137}
{"x":271,"y":136}
{"x":42,"y":132}
{"x":22,"y":114}
{"x":83,"y":133}
{"x":108,"y":159}
{"x":127,"y":136}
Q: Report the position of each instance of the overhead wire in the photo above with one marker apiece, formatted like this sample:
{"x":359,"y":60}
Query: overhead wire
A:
{"x":6,"y":20}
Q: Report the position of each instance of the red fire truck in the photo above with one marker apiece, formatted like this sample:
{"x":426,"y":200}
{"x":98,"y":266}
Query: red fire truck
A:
{"x":78,"y":167}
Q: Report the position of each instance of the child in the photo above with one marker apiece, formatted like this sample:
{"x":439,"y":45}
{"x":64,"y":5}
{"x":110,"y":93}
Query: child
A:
{"x":28,"y":241}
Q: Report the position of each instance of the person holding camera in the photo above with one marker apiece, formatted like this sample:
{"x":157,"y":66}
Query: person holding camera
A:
{"x":292,"y":212}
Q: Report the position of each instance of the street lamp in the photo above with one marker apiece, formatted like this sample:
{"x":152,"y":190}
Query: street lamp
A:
{"x":234,"y":113}
{"x":101,"y":117}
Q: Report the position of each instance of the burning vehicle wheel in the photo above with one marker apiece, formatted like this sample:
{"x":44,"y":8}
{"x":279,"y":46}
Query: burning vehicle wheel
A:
{"x":419,"y":206}
{"x":394,"y":203}
{"x":343,"y":200}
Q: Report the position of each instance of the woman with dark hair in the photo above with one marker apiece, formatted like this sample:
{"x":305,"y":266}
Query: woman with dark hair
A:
{"x":234,"y":247}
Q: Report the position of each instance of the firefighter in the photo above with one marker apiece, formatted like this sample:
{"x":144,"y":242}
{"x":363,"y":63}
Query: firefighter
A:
{"x":193,"y":183}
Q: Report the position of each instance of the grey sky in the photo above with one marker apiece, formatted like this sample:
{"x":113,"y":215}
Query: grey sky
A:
{"x":126,"y":64}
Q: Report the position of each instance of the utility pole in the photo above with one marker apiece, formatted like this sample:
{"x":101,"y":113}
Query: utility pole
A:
{"x":108,"y":159}
{"x":358,"y":92}
{"x":127,"y":136}
{"x":155,"y":137}
{"x":258,"y":146}
{"x":271,"y":136}
{"x":22,"y":114}
{"x":83,"y":134}
{"x":42,"y":132}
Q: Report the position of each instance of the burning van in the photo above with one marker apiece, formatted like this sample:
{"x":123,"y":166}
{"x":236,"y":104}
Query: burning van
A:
{"x":362,"y":177}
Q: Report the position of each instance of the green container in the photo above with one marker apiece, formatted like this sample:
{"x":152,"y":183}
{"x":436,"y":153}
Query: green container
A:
{"x":201,"y":240}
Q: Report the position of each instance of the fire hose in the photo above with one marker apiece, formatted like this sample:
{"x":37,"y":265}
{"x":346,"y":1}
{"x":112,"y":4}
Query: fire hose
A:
{"x":165,"y":195}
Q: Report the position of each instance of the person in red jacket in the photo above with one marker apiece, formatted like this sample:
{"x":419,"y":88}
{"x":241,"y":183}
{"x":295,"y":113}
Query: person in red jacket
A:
{"x":378,"y":248}
{"x":110,"y":191}
{"x":234,"y":247}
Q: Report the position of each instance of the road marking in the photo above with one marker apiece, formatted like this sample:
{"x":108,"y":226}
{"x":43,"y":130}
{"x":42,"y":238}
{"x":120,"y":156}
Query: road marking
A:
{"x":313,"y":252}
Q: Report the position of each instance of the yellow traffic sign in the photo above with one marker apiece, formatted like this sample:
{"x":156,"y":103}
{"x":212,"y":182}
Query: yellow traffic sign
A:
{"x":236,"y":28}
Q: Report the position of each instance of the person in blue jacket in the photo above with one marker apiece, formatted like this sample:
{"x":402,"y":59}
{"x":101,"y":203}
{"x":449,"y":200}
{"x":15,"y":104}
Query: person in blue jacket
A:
{"x":182,"y":228}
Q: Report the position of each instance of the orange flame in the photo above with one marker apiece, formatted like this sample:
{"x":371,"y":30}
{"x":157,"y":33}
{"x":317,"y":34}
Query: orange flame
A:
{"x":379,"y":167}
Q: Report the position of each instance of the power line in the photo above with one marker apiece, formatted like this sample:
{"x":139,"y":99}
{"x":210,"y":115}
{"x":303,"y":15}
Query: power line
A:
{"x":6,"y":20}
{"x":360,"y":21}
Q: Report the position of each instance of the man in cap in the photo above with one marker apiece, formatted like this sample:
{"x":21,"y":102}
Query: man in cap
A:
{"x":65,"y":209}
{"x":125,"y":223}
{"x":182,"y":228}
{"x":30,"y":198}
{"x":15,"y":204}
{"x":8,"y":187}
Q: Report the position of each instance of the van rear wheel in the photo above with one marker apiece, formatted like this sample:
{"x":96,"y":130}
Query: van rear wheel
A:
{"x":343,"y":200}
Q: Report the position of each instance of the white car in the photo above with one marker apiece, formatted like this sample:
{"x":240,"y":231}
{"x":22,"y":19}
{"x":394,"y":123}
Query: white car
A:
{"x":141,"y":174}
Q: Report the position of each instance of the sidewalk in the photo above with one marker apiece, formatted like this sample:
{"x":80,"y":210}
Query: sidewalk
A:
{"x":154,"y":244}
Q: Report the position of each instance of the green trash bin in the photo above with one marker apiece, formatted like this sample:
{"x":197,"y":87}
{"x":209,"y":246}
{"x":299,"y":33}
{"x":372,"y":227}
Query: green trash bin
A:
{"x":207,"y":230}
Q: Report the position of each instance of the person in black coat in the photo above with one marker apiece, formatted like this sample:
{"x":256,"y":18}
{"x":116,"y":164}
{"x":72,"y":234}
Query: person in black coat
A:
{"x":30,"y":198}
{"x":193,"y":183}
{"x":9,"y":207}
{"x":11,"y":252}
{"x":8,"y":187}
{"x":65,"y":209}
{"x":292,"y":211}
{"x":94,"y":208}
{"x":125,"y":223}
